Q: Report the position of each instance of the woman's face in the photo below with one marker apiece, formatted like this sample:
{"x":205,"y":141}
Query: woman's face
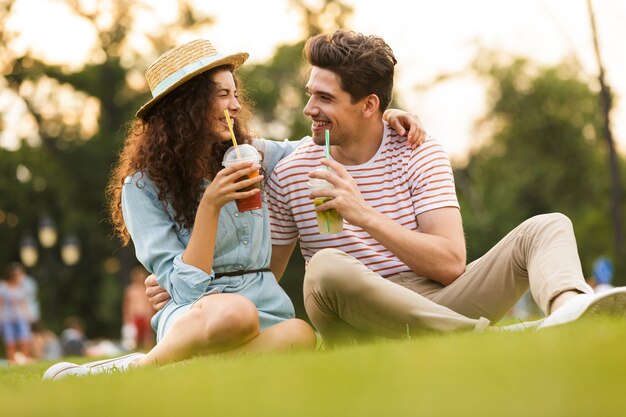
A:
{"x":225,"y":99}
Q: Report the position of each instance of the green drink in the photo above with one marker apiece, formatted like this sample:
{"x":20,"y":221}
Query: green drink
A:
{"x":329,"y":221}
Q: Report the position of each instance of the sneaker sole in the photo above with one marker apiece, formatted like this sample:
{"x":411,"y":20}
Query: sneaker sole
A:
{"x":53,"y":372}
{"x":612,"y":304}
{"x":609,"y":304}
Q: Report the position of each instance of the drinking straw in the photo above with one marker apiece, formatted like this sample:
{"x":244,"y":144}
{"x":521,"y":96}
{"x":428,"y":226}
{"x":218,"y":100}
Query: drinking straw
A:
{"x":232,"y":133}
{"x":327,"y":135}
{"x":327,"y":140}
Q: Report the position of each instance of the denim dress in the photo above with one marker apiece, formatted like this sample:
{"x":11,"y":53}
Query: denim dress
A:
{"x":243,"y":243}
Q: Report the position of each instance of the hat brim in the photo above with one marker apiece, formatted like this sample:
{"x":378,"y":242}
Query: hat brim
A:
{"x":234,"y":60}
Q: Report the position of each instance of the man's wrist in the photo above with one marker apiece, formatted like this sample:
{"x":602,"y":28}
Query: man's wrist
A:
{"x":368,"y":218}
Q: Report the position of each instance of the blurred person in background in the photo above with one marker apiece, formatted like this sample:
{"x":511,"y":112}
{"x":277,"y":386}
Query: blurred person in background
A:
{"x":137,"y":312}
{"x":46,"y":345}
{"x":73,"y":337}
{"x":602,"y":275}
{"x":15,"y":315}
{"x":30,"y":289}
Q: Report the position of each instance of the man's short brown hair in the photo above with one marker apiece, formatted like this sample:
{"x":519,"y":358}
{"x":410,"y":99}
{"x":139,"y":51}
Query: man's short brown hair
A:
{"x":364,"y":64}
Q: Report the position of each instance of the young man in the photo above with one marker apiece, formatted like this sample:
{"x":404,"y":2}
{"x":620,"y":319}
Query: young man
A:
{"x":399,"y":265}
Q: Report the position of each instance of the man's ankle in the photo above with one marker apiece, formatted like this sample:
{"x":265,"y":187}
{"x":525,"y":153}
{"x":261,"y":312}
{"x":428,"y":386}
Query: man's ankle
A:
{"x":562,"y":299}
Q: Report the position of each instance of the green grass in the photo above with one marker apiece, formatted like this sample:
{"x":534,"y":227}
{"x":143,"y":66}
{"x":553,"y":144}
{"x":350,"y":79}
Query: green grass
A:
{"x":575,"y":370}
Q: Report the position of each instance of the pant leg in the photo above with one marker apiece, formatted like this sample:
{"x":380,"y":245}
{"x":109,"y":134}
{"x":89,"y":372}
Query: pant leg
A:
{"x":540,"y":253}
{"x":344,"y":299}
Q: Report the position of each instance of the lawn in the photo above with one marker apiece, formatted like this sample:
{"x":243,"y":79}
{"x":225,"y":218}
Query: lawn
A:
{"x":574,"y":370}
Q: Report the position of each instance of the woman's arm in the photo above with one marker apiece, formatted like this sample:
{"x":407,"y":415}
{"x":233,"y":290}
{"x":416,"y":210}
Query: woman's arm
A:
{"x":156,"y":243}
{"x":224,"y":188}
{"x":183,"y":271}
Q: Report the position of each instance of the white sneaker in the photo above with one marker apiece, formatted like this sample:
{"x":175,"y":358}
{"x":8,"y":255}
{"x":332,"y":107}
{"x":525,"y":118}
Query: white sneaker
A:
{"x":482,"y":325}
{"x":64,"y":369}
{"x":520,"y":327}
{"x":609,"y":303}
{"x":121,"y":364}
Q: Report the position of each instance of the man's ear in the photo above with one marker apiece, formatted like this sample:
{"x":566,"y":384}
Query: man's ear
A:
{"x":371,"y":106}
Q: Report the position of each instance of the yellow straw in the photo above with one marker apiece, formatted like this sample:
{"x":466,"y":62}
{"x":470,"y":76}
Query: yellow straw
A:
{"x":232,"y":133}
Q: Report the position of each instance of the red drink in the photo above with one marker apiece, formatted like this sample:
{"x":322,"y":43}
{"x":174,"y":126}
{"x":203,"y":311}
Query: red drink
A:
{"x":254,"y":202}
{"x":246,"y":152}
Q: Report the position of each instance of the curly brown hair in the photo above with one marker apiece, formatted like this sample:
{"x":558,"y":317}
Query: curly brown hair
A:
{"x":174,"y":146}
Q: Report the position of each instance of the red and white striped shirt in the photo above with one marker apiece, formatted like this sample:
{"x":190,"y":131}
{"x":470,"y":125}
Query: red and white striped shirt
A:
{"x":398,"y":182}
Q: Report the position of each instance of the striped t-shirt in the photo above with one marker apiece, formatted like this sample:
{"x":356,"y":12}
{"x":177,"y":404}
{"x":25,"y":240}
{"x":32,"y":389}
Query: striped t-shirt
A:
{"x":398,"y":181}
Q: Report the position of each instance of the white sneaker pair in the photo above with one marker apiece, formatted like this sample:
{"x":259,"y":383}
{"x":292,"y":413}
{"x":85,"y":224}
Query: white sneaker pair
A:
{"x":608,"y":303}
{"x":65,"y":369}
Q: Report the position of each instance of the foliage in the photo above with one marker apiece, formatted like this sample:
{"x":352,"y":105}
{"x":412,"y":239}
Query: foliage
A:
{"x":276,"y":89}
{"x":78,"y":117}
{"x":544,"y":154}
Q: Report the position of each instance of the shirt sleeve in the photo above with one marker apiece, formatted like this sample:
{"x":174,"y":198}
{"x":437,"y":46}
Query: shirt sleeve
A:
{"x":282,"y":224}
{"x":273,"y":151}
{"x":431,"y":179}
{"x":157,"y":246}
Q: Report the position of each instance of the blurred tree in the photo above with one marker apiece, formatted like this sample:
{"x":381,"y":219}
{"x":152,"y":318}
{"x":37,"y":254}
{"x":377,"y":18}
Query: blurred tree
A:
{"x":606,"y":100}
{"x":75,"y":116}
{"x":277,"y":86}
{"x":544,"y":154}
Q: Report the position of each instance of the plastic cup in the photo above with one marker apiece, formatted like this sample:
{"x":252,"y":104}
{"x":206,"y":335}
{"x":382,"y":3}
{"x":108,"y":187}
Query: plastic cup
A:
{"x":328,"y":221}
{"x":246,"y":153}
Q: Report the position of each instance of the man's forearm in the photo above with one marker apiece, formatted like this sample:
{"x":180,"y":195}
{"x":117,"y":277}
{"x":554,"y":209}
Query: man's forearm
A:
{"x":433,"y":256}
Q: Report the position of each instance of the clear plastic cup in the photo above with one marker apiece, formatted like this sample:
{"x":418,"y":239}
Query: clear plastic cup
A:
{"x":246,"y":153}
{"x":328,"y":221}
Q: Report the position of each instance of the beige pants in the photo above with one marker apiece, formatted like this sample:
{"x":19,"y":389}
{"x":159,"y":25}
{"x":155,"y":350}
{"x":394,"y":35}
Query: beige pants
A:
{"x":344,"y":299}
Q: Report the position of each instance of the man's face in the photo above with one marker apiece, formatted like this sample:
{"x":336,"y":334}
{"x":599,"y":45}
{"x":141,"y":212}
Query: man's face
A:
{"x":331,"y":108}
{"x":225,"y":99}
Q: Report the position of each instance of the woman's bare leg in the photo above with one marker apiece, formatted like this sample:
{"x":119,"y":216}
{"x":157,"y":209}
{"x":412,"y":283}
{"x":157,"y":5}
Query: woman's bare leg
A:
{"x":292,"y":334}
{"x":193,"y":334}
{"x":217,"y":324}
{"x":214,"y":324}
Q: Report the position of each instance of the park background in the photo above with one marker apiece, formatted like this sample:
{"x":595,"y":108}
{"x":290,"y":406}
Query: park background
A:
{"x":511,"y":89}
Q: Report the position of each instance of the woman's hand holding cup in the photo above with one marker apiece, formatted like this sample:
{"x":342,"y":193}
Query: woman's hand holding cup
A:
{"x":238,"y":181}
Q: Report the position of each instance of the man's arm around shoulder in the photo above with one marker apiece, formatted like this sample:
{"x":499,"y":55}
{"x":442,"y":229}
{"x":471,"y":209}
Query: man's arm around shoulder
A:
{"x":280,"y":258}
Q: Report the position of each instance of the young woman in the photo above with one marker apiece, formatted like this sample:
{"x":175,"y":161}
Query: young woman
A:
{"x":170,"y":194}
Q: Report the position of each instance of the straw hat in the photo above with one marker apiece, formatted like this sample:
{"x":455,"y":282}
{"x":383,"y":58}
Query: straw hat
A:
{"x":182,"y":63}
